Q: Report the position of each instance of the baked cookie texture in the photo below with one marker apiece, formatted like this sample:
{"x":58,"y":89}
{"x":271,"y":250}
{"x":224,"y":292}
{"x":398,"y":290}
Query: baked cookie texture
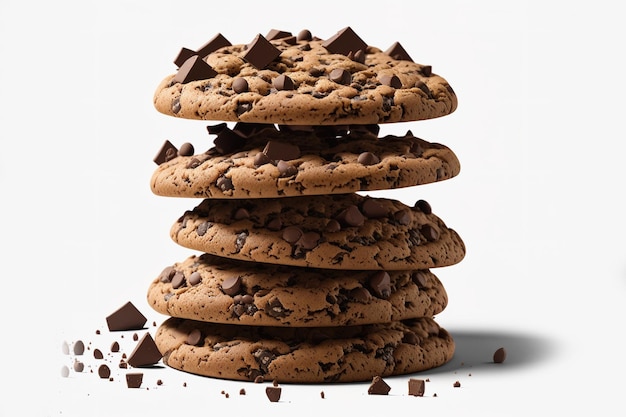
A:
{"x":304,"y":355}
{"x":343,"y":231}
{"x":303,"y":80}
{"x":301,"y":276}
{"x":268,"y":162}
{"x":221,"y":290}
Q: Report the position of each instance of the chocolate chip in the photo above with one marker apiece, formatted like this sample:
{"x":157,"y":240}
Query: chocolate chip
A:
{"x":456,"y":384}
{"x":372,"y":209}
{"x":286,"y":169}
{"x":115,"y":347}
{"x":104,"y":371}
{"x":403,"y":216}
{"x":275,"y":34}
{"x":145,"y":353}
{"x":79,"y":348}
{"x":264,"y":358}
{"x":368,"y":158}
{"x":280,"y":150}
{"x":178,"y":280}
{"x":419,"y":278}
{"x":417,"y":387}
{"x":166,"y":153}
{"x":332,"y":226}
{"x":273,"y":393}
{"x":231,"y":285}
{"x":193,"y":69}
{"x":261,"y":159}
{"x":351,"y":216}
{"x":97,"y":354}
{"x":304,"y":35}
{"x":378,"y":387}
{"x":240,"y":85}
{"x":358,"y":56}
{"x":126,"y":317}
{"x":215,"y":43}
{"x":292,"y":234}
{"x":426,"y":70}
{"x":195,"y":278}
{"x":360,"y":295}
{"x":186,"y":149}
{"x":344,"y":42}
{"x":396,"y":51}
{"x":340,"y":76}
{"x":134,"y":379}
{"x":499,"y":356}
{"x":430,"y":232}
{"x":308,"y":240}
{"x":193,"y":163}
{"x":260,"y":52}
{"x":380,"y":283}
{"x":423,"y":206}
{"x":224,"y":183}
{"x":228,"y":141}
{"x":390,"y":80}
{"x":194,"y":338}
{"x":283,"y":82}
{"x":241,"y":214}
{"x":411,"y":338}
{"x":274,"y":224}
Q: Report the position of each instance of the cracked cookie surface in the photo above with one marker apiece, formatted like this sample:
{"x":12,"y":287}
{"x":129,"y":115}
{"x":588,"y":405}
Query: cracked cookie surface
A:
{"x":343,"y":231}
{"x":304,"y":355}
{"x":219,"y":290}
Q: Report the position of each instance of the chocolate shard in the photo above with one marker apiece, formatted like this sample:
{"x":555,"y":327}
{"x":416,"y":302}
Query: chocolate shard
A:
{"x":275,"y":34}
{"x":417,"y":387}
{"x":396,"y":51}
{"x":378,"y":387}
{"x":260,"y":52}
{"x":217,"y":42}
{"x":194,"y":69}
{"x":344,"y":42}
{"x":228,"y":141}
{"x":146,"y":353}
{"x":167,"y":152}
{"x":134,"y":379}
{"x":183,"y":56}
{"x":126,"y":317}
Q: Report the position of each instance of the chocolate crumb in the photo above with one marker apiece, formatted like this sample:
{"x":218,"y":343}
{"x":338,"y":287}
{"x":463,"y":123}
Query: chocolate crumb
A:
{"x":242,"y":391}
{"x":322,"y":395}
{"x":457,"y":384}
{"x":97,"y":354}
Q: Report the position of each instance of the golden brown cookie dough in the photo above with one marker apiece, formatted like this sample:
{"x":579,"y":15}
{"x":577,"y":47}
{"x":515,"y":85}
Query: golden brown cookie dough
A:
{"x":304,"y":355}
{"x":220,"y":290}
{"x":303,"y":80}
{"x":278,"y":163}
{"x":343,"y":231}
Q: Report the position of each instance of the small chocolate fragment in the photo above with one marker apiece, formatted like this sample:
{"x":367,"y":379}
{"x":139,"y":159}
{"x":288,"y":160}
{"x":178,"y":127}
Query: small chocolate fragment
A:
{"x":134,"y":379}
{"x":417,"y":387}
{"x":283,"y":82}
{"x":240,"y":85}
{"x":275,"y":34}
{"x":231,"y":285}
{"x":351,"y":216}
{"x":126,"y":317}
{"x":360,"y":295}
{"x":260,"y":52}
{"x":396,"y":51}
{"x":430,"y":232}
{"x":97,"y":354}
{"x":166,"y":153}
{"x":104,"y":371}
{"x":273,"y":393}
{"x":216,"y":129}
{"x":423,"y":206}
{"x":261,"y":159}
{"x":78,"y":366}
{"x":390,"y":80}
{"x":344,"y":42}
{"x":194,"y":69}
{"x":340,"y":76}
{"x":286,"y":169}
{"x":194,"y":338}
{"x":281,"y":151}
{"x":186,"y":149}
{"x":115,"y":347}
{"x":427,"y":70}
{"x":378,"y":387}
{"x":403,"y":217}
{"x":217,"y":42}
{"x":499,"y":355}
{"x":79,"y":347}
{"x":146,"y":353}
{"x":380,"y":283}
{"x":456,"y":384}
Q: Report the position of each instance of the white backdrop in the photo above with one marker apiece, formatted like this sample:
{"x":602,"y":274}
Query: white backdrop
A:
{"x":539,"y":201}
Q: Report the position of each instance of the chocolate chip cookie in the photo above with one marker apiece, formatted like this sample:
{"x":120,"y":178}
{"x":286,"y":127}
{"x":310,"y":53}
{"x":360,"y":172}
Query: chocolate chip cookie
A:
{"x":221,"y":290}
{"x":301,"y":79}
{"x":304,"y":355}
{"x":261,"y":161}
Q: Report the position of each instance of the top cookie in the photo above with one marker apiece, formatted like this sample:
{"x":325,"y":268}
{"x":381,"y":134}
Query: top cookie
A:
{"x":303,"y":80}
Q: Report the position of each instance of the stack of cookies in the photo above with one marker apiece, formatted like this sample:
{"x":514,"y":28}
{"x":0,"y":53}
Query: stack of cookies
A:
{"x":298,"y":274}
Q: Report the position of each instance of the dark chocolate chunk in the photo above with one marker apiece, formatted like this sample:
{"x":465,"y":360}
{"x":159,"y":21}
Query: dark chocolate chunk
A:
{"x":260,"y":52}
{"x":261,"y":159}
{"x":186,"y":149}
{"x":430,"y":232}
{"x":423,"y":206}
{"x":224,"y":183}
{"x":166,"y":153}
{"x":340,"y":76}
{"x":372,"y":209}
{"x":351,"y":216}
{"x":273,"y":393}
{"x":104,"y":371}
{"x":241,"y":213}
{"x":390,"y":80}
{"x":183,"y":56}
{"x":396,"y":51}
{"x":228,"y":141}
{"x":292,"y":234}
{"x":417,"y":387}
{"x":403,"y":216}
{"x":274,"y":308}
{"x":126,"y":317}
{"x":368,"y":158}
{"x":146,"y":352}
{"x":426,"y":70}
{"x":275,"y":34}
{"x":217,"y":42}
{"x":499,"y":356}
{"x":231,"y":285}
{"x":358,"y":56}
{"x":115,"y":347}
{"x":194,"y":338}
{"x":424,"y":88}
{"x":332,"y":226}
{"x":134,"y":379}
{"x":378,"y":387}
{"x":344,"y":42}
{"x":380,"y":283}
{"x":281,"y":151}
{"x":240,"y":85}
{"x":283,"y":82}
{"x":419,"y":278}
{"x":193,"y":69}
{"x":274,"y":224}
{"x":308,"y":240}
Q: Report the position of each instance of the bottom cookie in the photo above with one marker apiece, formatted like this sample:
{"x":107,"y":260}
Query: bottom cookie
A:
{"x":304,"y":355}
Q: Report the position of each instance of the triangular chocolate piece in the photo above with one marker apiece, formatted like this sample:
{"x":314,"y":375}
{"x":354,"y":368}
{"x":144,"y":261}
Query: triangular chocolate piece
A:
{"x":396,"y":51}
{"x":183,"y":55}
{"x":344,"y":42}
{"x":146,"y":353}
{"x":217,"y":42}
{"x":261,"y":52}
{"x":126,"y":317}
{"x":194,"y":69}
{"x":166,"y":153}
{"x":277,"y":34}
{"x":378,"y":387}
